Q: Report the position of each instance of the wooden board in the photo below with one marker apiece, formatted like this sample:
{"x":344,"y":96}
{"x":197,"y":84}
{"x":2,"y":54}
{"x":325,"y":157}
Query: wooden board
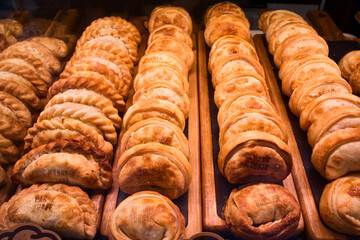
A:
{"x":215,"y":188}
{"x":308,"y":182}
{"x":190,"y":202}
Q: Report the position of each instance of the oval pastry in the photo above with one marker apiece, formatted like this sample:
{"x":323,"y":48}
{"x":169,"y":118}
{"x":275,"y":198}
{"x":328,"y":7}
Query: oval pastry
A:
{"x":339,"y":204}
{"x":262,"y":211}
{"x":154,"y":166}
{"x":147,"y":215}
{"x":67,"y":210}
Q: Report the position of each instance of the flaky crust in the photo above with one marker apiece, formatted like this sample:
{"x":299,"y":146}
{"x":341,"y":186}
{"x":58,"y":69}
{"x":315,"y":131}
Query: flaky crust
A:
{"x":349,"y":62}
{"x":8,"y":151}
{"x":268,"y":17}
{"x":64,"y":162}
{"x":170,"y":30}
{"x":142,"y":168}
{"x":281,"y":21}
{"x":163,"y":218}
{"x":254,"y":156}
{"x":262,"y":211}
{"x":222,"y":8}
{"x":339,"y":204}
{"x":67,"y":210}
{"x":338,"y":153}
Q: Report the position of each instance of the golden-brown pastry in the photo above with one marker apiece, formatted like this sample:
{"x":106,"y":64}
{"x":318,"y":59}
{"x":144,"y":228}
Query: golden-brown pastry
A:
{"x":3,"y":177}
{"x":337,"y":153}
{"x":239,"y":82}
{"x":346,"y":117}
{"x":354,"y":80}
{"x":254,"y":156}
{"x":155,"y":130}
{"x":164,"y":91}
{"x":14,"y":26}
{"x":281,"y":21}
{"x":349,"y":62}
{"x":169,"y":44}
{"x":314,"y":88}
{"x":221,"y":8}
{"x":8,"y":151}
{"x":226,"y":24}
{"x":270,"y":16}
{"x":8,"y":38}
{"x":64,"y":162}
{"x":153,"y":108}
{"x":154,"y":166}
{"x":87,"y":114}
{"x":147,"y":215}
{"x":252,"y":120}
{"x":90,"y":81}
{"x":339,"y":204}
{"x":69,"y":129}
{"x":262,"y":211}
{"x":167,"y":14}
{"x":55,"y":45}
{"x":325,"y":103}
{"x":10,"y":126}
{"x":66,"y":210}
{"x":170,"y":30}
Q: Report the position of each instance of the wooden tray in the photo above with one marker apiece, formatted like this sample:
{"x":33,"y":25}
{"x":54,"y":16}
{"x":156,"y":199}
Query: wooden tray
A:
{"x":215,"y":188}
{"x":190,"y":202}
{"x":309,"y":183}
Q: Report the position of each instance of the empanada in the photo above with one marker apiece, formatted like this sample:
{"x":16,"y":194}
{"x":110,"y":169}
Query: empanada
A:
{"x":281,"y":21}
{"x":55,"y":45}
{"x":262,"y":211}
{"x":154,"y":166}
{"x":355,"y":80}
{"x":67,"y":210}
{"x":170,"y":30}
{"x":10,"y":127}
{"x":155,"y":130}
{"x":349,"y":62}
{"x":339,"y":204}
{"x":147,"y":215}
{"x":14,"y":26}
{"x":3,"y":177}
{"x":8,"y":151}
{"x":221,"y":8}
{"x":64,"y":162}
{"x":270,"y":16}
{"x":254,"y":156}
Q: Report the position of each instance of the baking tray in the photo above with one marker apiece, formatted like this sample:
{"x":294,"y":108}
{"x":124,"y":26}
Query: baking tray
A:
{"x":309,"y":183}
{"x":215,"y":188}
{"x":189,"y":203}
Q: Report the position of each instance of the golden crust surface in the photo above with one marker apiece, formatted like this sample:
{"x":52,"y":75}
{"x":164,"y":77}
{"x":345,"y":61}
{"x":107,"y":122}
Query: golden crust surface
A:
{"x":8,"y":151}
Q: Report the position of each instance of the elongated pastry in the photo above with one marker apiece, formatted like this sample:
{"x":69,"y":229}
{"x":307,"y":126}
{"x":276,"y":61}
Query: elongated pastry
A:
{"x":64,"y":162}
{"x":55,"y":45}
{"x":170,"y":30}
{"x":147,"y":215}
{"x":254,"y":156}
{"x":155,"y":130}
{"x":154,"y":166}
{"x":67,"y":210}
{"x":339,"y":204}
{"x":337,"y":153}
{"x":8,"y":151}
{"x":262,"y":211}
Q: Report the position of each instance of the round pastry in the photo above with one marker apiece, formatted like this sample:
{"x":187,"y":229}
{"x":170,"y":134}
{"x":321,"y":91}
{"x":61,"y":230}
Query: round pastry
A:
{"x":154,"y":166}
{"x":281,"y":21}
{"x":314,"y":88}
{"x":170,"y":30}
{"x":349,"y":62}
{"x":66,"y":210}
{"x":346,"y":117}
{"x":337,"y":153}
{"x":155,"y":130}
{"x":325,"y":103}
{"x":147,"y":215}
{"x":221,"y":8}
{"x":254,"y":156}
{"x":262,"y":211}
{"x":270,"y":16}
{"x":167,"y":14}
{"x":339,"y":204}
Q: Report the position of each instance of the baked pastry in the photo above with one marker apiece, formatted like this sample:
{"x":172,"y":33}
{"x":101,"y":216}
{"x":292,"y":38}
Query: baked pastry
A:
{"x":262,"y":211}
{"x":154,"y":166}
{"x":239,"y":82}
{"x":147,"y":215}
{"x":69,"y":129}
{"x":337,"y":153}
{"x":254,"y":156}
{"x":153,"y":108}
{"x":14,"y":26}
{"x":314,"y":88}
{"x":325,"y":103}
{"x":55,"y":45}
{"x":221,"y":8}
{"x":8,"y":151}
{"x":270,"y":16}
{"x":167,"y":14}
{"x":355,"y":80}
{"x":226,"y":24}
{"x":349,"y":62}
{"x":66,"y":210}
{"x":170,"y":30}
{"x":281,"y":21}
{"x":10,"y":126}
{"x":339,"y":204}
{"x":155,"y":130}
{"x":3,"y":177}
{"x":64,"y":162}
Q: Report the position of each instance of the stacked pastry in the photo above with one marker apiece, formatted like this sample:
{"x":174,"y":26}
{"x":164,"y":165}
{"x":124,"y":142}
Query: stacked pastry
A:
{"x":10,"y":30}
{"x":350,"y":69}
{"x":154,"y":148}
{"x":318,"y":95}
{"x":253,"y":138}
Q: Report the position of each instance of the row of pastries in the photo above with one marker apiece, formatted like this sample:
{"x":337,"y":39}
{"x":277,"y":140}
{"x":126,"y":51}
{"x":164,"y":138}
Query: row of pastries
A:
{"x":328,"y":111}
{"x":253,"y":139}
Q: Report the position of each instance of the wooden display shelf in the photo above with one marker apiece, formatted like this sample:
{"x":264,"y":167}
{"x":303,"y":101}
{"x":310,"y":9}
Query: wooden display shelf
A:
{"x":308,"y":182}
{"x":215,"y":188}
{"x":190,"y":203}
